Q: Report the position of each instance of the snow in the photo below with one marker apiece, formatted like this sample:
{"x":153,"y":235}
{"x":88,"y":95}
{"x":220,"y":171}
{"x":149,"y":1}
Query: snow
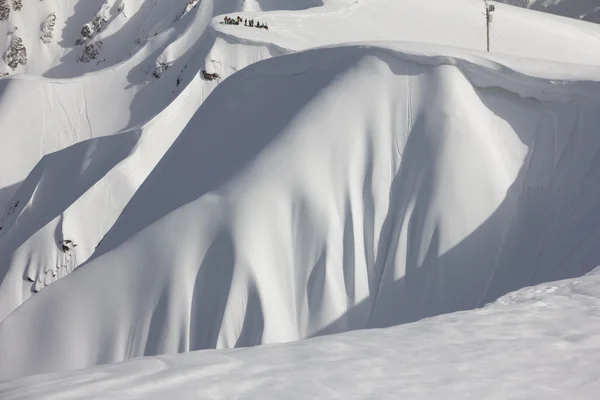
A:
{"x":539,"y":342}
{"x":361,"y":164}
{"x":587,"y":10}
{"x":338,"y":213}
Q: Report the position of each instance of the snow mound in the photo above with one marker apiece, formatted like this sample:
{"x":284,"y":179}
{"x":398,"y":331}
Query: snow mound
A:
{"x":129,"y":82}
{"x":369,"y":186}
{"x":552,"y":346}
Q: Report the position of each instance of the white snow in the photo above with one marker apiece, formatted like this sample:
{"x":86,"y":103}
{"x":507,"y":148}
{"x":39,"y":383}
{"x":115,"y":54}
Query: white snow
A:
{"x":539,"y":342}
{"x":587,"y":10}
{"x":361,"y":164}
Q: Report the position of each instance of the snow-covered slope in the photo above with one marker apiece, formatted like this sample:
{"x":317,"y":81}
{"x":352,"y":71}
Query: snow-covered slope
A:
{"x":587,"y":10}
{"x":77,"y":194}
{"x":67,"y":105}
{"x":87,"y":186}
{"x":540,"y":342}
{"x":336,"y":189}
{"x":449,"y":181}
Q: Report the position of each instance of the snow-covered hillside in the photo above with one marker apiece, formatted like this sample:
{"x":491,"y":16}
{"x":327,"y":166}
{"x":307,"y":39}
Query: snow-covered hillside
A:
{"x":70,"y":102}
{"x":586,"y":10}
{"x":540,"y":342}
{"x":403,"y":175}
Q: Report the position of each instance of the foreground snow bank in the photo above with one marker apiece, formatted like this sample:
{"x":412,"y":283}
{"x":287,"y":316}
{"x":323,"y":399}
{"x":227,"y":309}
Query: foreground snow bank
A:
{"x":539,"y":342}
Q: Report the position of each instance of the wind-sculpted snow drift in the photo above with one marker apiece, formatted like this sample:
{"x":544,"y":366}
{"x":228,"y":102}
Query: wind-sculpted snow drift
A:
{"x":369,"y":186}
{"x":541,"y":341}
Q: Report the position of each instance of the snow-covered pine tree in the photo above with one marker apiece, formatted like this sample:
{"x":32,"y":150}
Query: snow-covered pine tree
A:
{"x":47,"y":28}
{"x":16,"y":54}
{"x":17,"y":4}
{"x":4,"y":10}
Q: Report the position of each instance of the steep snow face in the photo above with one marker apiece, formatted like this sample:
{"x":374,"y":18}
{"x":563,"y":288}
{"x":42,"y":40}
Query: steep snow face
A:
{"x":89,"y":184}
{"x":77,"y":194}
{"x":539,"y":342}
{"x":368,"y":187}
{"x":587,"y":10}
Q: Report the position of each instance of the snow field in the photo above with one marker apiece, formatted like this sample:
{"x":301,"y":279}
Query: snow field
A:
{"x":324,"y":209}
{"x":342,"y":188}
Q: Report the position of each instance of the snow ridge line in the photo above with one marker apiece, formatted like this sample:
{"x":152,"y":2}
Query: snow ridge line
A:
{"x":483,"y":72}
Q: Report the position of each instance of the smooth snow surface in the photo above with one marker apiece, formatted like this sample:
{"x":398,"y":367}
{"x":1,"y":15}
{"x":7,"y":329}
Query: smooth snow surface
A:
{"x":307,"y":191}
{"x":538,"y":343}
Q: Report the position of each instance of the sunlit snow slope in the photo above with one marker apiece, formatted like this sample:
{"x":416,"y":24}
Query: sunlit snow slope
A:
{"x":369,"y":186}
{"x":540,"y":342}
{"x":132,"y":91}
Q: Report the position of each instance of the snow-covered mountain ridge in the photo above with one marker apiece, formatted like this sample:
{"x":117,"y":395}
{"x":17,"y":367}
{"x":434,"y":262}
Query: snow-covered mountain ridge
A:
{"x":346,"y":187}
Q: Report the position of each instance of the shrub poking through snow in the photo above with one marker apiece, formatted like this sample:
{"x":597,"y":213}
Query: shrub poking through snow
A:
{"x":16,"y":54}
{"x":90,"y":29}
{"x":90,"y":52}
{"x":17,"y":4}
{"x":98,"y":23}
{"x":159,"y":69}
{"x":4,"y":10}
{"x":48,"y":28}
